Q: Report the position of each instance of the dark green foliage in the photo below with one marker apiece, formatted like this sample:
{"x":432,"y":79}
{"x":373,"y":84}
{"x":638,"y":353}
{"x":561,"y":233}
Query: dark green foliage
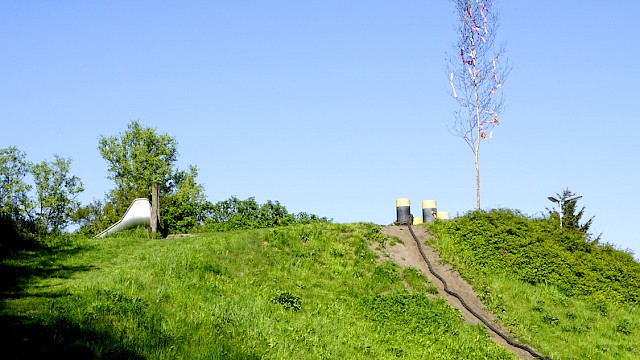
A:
{"x":288,"y":300}
{"x":14,"y":197}
{"x":90,"y":218}
{"x":550,"y":319}
{"x":236,"y":214}
{"x":537,"y":251}
{"x":17,"y":216}
{"x":624,"y":327}
{"x":57,"y":337}
{"x":184,"y":207}
{"x":25,"y":221}
{"x":16,"y":233}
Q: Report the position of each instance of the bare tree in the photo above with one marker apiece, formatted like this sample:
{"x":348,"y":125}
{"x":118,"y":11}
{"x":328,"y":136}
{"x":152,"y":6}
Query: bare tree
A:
{"x":476,"y":74}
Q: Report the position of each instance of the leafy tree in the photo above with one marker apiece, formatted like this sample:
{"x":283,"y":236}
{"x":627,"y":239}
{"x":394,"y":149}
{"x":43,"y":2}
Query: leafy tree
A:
{"x":17,"y":230}
{"x":476,"y":75}
{"x":14,"y":192}
{"x":140,"y":157}
{"x":56,"y":193}
{"x":272,"y":214}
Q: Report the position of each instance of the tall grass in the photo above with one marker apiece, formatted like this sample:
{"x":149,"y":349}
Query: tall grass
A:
{"x":301,"y":292}
{"x":570,"y":297}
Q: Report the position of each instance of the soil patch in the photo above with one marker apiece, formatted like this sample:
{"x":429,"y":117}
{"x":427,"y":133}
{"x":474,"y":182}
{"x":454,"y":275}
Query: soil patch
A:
{"x":179,"y":236}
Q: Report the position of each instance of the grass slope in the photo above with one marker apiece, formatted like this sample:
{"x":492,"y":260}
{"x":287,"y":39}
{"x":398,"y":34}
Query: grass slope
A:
{"x":569,"y":297}
{"x":301,"y":292}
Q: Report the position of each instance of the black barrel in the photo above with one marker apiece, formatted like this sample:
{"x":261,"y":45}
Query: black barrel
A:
{"x":403,"y":210}
{"x":429,"y":210}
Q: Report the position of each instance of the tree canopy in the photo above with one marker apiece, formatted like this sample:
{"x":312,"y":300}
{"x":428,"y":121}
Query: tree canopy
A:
{"x":56,"y":193}
{"x":571,"y":217}
{"x":137,"y":158}
{"x":14,"y":191}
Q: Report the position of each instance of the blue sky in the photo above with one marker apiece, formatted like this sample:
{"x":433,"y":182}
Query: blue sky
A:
{"x":333,"y":107}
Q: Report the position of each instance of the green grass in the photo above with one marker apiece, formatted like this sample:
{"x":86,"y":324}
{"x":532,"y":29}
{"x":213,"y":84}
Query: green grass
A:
{"x":567,"y":296}
{"x":301,"y":292}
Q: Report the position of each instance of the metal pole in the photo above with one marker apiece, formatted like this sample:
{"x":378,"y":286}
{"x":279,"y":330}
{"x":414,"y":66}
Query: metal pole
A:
{"x":561,"y":212}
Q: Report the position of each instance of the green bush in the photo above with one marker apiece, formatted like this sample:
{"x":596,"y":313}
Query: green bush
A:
{"x":16,"y":233}
{"x":537,"y":251}
{"x":236,"y":214}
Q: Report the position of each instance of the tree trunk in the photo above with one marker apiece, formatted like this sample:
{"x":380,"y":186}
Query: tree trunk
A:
{"x":479,"y":132}
{"x":477,"y":182}
{"x":155,"y":209}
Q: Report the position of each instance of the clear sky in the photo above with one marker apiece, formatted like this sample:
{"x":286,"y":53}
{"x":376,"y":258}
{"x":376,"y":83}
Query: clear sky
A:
{"x":334,"y":107}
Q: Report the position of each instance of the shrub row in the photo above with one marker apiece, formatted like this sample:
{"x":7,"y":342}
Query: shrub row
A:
{"x":538,"y":251}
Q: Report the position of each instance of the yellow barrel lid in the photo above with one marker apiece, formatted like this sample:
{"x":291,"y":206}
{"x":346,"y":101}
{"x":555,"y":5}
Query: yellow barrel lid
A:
{"x":429,"y":204}
{"x":403,"y":202}
{"x":417,"y":220}
{"x":444,"y":215}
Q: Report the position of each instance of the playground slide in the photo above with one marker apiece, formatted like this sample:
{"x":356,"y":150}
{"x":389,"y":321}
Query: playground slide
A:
{"x":138,"y":213}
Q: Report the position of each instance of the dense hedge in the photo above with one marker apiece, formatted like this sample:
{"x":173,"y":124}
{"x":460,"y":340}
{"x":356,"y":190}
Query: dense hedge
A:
{"x":538,"y":251}
{"x":236,"y":214}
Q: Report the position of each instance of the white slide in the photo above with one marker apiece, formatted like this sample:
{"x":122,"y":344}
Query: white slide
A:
{"x":138,"y":213}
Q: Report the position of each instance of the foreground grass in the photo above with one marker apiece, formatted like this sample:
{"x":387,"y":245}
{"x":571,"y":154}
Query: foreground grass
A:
{"x":303,"y":292}
{"x":571,"y":298}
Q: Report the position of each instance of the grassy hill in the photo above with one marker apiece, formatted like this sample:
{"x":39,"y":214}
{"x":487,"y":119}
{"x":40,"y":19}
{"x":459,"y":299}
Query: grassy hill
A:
{"x":307,"y":292}
{"x":302,"y":292}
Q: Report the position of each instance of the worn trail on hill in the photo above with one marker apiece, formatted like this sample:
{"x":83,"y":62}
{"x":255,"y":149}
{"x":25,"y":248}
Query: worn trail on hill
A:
{"x":406,"y":254}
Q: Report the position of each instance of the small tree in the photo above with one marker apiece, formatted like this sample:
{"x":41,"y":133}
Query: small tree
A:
{"x":56,"y":193}
{"x":14,"y":192}
{"x":570,"y":218}
{"x":476,"y":75}
{"x":16,"y":228}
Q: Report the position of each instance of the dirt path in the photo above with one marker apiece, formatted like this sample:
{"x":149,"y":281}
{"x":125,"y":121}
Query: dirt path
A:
{"x":406,"y":254}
